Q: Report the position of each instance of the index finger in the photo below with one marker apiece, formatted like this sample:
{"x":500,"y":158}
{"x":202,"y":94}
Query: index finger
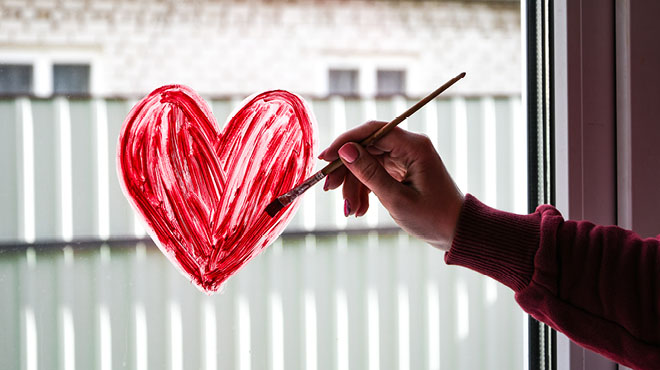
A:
{"x":357,"y":134}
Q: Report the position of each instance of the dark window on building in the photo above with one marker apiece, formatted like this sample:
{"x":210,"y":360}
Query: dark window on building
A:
{"x":343,"y":82}
{"x":71,"y":79}
{"x":15,"y":79}
{"x":390,"y":82}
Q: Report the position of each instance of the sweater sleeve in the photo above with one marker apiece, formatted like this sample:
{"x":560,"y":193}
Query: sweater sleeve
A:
{"x":599,"y":285}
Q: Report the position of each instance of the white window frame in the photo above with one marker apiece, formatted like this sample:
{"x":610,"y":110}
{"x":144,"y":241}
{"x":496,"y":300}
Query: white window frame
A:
{"x":367,"y":67}
{"x":43,"y":59}
{"x":585,"y":159}
{"x":600,"y":173}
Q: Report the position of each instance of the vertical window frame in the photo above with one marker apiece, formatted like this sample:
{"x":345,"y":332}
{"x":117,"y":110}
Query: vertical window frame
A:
{"x":539,"y":46}
{"x":582,"y":135}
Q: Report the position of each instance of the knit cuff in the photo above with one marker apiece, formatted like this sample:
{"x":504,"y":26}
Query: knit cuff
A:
{"x":498,"y":244}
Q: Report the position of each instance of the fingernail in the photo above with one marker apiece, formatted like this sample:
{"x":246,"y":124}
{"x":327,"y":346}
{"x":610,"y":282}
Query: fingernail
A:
{"x":348,"y":152}
{"x":322,"y":154}
{"x":347,"y":208}
{"x":325,"y":184}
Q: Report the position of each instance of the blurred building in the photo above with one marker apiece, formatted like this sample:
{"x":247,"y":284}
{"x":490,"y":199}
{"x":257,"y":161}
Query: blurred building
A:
{"x":237,"y":47}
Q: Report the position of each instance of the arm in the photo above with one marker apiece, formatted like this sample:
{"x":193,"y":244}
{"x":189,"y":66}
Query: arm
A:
{"x":600,"y":285}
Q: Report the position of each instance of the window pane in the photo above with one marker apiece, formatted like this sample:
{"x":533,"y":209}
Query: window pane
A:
{"x":15,"y":79}
{"x":71,"y":79}
{"x":391,"y":82}
{"x":343,"y":82}
{"x":84,"y":285}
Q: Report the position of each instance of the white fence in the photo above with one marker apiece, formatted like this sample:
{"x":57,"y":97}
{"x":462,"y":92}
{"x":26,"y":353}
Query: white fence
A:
{"x":330,"y":294}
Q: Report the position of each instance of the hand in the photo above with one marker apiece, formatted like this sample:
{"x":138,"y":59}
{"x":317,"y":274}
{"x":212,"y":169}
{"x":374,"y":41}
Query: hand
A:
{"x":407,"y":175}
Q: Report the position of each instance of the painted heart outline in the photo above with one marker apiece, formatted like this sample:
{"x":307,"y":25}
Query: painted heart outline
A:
{"x":201,"y":191}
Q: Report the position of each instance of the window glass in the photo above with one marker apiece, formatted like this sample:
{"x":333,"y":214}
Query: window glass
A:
{"x":84,"y":287}
{"x":343,"y":82}
{"x":71,"y":79}
{"x":15,"y":79}
{"x":391,"y":82}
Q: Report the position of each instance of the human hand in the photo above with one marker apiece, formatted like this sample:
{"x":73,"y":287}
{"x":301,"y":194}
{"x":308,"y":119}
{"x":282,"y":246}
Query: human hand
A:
{"x":407,"y":175}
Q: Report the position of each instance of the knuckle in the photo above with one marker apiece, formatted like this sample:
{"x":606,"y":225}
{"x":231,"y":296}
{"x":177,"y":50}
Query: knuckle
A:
{"x":422,"y":142}
{"x":375,"y":122}
{"x":370,"y":171}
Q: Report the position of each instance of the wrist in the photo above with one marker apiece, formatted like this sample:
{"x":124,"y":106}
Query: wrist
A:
{"x":448,"y":223}
{"x":455,"y":216}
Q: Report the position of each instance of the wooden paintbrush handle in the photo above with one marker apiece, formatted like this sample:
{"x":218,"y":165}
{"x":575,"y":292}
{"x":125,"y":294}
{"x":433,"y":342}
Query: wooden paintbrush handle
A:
{"x":286,"y":199}
{"x":330,"y":167}
{"x":392,"y":124}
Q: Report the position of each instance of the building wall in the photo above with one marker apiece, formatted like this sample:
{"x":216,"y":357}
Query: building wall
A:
{"x":239,"y":47}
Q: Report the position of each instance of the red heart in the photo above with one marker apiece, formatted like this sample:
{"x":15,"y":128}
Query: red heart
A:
{"x":203,"y":192}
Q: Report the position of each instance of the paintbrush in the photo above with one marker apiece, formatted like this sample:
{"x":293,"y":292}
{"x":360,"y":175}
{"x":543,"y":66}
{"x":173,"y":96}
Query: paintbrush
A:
{"x":284,"y":200}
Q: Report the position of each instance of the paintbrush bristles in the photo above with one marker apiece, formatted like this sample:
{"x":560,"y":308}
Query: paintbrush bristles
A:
{"x":284,"y":200}
{"x":274,"y":207}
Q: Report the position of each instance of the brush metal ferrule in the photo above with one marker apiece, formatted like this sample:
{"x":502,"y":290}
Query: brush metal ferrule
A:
{"x":289,"y":197}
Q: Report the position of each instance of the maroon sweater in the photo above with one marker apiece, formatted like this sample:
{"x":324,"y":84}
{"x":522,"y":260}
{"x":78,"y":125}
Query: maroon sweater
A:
{"x":599,"y":285}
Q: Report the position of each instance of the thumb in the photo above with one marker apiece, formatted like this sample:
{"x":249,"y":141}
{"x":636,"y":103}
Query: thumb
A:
{"x":370,"y":172}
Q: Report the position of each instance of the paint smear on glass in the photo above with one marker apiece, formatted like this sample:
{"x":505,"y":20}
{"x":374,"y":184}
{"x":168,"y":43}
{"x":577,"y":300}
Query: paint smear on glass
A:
{"x":201,"y":191}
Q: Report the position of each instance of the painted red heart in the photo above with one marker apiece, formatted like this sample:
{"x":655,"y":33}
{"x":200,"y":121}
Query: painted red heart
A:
{"x":203,"y":192}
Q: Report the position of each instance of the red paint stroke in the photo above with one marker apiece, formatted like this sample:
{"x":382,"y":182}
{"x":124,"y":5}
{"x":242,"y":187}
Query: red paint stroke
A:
{"x":203,"y":192}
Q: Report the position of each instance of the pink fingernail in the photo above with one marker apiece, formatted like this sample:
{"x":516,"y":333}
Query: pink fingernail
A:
{"x":347,"y":208}
{"x":349,"y":153}
{"x":325,"y":184}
